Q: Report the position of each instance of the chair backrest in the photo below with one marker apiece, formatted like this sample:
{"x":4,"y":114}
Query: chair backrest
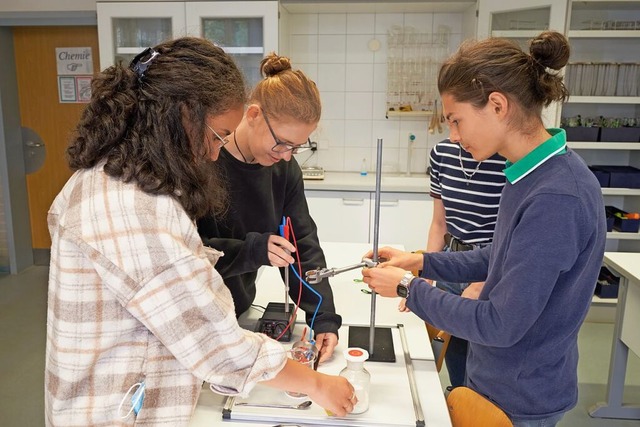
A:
{"x":467,"y":408}
{"x":439,"y":343}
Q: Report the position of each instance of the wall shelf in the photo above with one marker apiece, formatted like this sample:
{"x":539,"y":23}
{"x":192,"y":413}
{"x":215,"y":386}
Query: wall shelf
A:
{"x":604,"y":100}
{"x":587,"y":145}
{"x":409,"y":113}
{"x":516,"y":34}
{"x":598,"y":34}
{"x":620,"y":191}
{"x":623,"y":236}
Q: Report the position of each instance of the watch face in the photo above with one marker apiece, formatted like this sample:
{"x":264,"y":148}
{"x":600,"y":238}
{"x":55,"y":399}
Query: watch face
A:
{"x":402,"y":291}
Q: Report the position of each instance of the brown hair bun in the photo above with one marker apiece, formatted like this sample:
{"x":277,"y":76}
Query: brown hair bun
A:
{"x":550,"y":49}
{"x":273,"y":64}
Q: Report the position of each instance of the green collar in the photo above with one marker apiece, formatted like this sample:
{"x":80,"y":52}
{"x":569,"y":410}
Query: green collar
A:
{"x":553,"y":146}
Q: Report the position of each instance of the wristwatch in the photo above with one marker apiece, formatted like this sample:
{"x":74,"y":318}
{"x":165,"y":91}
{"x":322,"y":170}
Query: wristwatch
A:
{"x":403,"y":286}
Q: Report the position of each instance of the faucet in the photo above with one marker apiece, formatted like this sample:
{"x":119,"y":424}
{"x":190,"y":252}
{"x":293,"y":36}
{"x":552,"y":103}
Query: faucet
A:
{"x":412,"y":139}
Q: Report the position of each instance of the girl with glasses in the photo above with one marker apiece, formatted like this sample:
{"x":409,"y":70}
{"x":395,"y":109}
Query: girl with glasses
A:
{"x":265,"y":185}
{"x":138,"y":317}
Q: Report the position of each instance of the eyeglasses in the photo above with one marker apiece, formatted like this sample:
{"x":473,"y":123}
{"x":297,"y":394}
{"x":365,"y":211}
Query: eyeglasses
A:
{"x":223,"y":141}
{"x":284,"y":147}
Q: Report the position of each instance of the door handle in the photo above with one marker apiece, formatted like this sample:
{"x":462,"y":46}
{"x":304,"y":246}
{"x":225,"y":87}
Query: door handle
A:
{"x":352,"y":202}
{"x":390,"y":203}
{"x":34,"y":152}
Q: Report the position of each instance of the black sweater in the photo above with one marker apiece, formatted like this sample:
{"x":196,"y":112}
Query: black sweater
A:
{"x":259,"y":197}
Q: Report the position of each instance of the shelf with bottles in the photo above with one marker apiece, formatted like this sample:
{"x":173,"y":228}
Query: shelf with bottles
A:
{"x":604,"y":19}
{"x":413,"y":60}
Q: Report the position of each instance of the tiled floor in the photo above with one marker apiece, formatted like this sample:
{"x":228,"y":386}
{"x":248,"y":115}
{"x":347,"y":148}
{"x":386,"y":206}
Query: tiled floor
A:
{"x":22,"y":340}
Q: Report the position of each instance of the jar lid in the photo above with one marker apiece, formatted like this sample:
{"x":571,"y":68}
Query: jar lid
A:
{"x":356,"y":354}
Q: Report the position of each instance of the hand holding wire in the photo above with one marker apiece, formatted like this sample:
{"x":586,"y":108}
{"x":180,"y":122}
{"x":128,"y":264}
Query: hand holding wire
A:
{"x":280,"y":250}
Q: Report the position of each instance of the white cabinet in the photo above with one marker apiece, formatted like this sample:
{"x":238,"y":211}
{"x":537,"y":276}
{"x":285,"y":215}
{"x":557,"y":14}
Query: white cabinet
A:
{"x":246,"y":30}
{"x":405,"y":218}
{"x":348,"y":216}
{"x":126,"y":29}
{"x":341,"y":216}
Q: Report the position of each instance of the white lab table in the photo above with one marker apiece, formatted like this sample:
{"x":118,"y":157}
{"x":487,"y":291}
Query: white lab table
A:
{"x":626,"y":336}
{"x":354,"y":307}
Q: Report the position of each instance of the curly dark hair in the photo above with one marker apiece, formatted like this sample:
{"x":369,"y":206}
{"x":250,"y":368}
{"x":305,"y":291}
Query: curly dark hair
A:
{"x":150,"y":129}
{"x":530,"y":80}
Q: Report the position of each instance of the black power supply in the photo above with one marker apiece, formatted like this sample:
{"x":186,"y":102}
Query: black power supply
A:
{"x":274,"y":320}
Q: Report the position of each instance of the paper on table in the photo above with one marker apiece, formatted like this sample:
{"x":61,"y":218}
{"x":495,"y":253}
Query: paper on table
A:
{"x":390,"y":401}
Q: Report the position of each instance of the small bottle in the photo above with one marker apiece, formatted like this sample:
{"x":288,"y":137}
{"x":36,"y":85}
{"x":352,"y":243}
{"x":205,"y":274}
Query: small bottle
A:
{"x":363,"y":168}
{"x":358,"y":376}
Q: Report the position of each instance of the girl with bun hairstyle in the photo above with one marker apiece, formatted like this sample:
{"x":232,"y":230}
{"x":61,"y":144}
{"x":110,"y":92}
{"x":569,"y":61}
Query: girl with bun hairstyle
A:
{"x":541,"y":269}
{"x":265,"y":184}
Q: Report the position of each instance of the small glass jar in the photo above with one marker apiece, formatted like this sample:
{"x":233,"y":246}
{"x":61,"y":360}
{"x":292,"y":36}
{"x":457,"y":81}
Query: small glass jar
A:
{"x":304,"y":352}
{"x":358,"y":376}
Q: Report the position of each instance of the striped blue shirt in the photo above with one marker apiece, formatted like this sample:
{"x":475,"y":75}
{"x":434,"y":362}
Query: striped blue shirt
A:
{"x":470,"y":196}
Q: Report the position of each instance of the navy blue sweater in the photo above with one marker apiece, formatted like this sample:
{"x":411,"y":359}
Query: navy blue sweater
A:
{"x":540,"y":275}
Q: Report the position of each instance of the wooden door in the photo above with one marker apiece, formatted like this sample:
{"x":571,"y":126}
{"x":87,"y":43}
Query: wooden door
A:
{"x":41,"y":111}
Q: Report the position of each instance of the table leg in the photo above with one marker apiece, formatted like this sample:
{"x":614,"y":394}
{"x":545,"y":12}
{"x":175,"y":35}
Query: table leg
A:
{"x":613,"y":407}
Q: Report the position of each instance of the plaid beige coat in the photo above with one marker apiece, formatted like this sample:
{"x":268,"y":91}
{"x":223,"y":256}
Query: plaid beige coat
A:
{"x":133,"y":296}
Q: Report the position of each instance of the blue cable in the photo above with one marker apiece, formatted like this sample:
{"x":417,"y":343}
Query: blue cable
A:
{"x":284,"y":233}
{"x":313,"y":319}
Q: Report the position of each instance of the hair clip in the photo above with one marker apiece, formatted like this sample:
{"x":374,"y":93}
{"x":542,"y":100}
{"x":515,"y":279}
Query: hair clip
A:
{"x":139,"y":66}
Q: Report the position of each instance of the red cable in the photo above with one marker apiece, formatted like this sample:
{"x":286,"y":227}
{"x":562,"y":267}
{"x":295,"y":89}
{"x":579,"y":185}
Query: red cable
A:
{"x":289,"y":227}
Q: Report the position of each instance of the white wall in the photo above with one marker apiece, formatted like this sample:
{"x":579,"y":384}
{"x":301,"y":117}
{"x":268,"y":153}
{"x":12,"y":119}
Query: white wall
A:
{"x":332,"y":48}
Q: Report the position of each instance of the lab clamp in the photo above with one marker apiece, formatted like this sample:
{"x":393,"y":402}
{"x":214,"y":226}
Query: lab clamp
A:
{"x":314,"y":277}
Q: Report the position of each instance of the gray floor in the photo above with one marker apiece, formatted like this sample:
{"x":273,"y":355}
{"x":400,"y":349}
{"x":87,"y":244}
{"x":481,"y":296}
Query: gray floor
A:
{"x":22,"y":340}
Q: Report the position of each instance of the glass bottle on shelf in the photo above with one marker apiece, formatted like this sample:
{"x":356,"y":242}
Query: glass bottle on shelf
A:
{"x":358,"y":376}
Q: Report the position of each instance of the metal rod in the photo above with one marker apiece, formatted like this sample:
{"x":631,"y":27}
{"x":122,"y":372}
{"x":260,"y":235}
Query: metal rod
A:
{"x":376,"y":232}
{"x":286,"y":289}
{"x":417,"y":407}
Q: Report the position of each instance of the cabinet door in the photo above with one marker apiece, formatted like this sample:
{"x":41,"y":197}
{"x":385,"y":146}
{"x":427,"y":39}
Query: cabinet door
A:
{"x":126,"y":29}
{"x":404,"y":219}
{"x":246,"y":30}
{"x":521,"y":21}
{"x":340,"y":216}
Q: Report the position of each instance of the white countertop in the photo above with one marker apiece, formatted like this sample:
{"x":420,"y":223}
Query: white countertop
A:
{"x":353,"y":181}
{"x":354,"y":306}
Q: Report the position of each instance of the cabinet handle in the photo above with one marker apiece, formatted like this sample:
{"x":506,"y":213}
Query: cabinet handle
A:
{"x":352,"y":202}
{"x":390,"y":203}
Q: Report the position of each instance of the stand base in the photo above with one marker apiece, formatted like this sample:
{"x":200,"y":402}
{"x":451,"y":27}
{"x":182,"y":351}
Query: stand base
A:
{"x":383,"y":350}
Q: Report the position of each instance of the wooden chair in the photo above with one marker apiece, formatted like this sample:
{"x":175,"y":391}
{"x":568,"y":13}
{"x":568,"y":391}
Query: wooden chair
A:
{"x":468,"y":408}
{"x":439,"y":340}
